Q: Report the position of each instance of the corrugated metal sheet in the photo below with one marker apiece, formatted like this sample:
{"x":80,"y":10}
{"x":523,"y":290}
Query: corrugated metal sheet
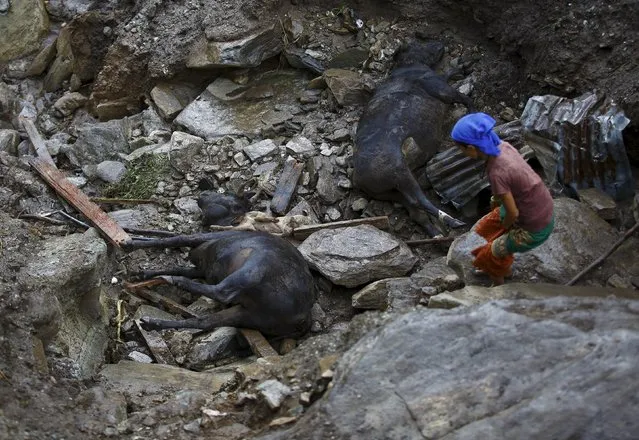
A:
{"x":457,"y":178}
{"x":579,"y":142}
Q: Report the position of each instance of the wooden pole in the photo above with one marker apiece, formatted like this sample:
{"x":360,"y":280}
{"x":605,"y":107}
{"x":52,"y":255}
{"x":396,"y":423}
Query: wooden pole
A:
{"x":599,"y":260}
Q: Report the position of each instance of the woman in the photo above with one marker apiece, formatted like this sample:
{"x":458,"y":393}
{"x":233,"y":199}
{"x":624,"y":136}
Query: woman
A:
{"x":522,"y":218}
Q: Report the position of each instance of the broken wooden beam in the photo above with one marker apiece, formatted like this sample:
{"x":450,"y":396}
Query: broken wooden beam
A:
{"x":36,"y":140}
{"x":286,"y":186}
{"x":156,"y":345}
{"x":430,"y":241}
{"x":258,"y":343}
{"x":303,"y":232}
{"x":97,"y":217}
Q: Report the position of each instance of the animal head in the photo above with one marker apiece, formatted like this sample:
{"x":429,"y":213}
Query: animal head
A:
{"x":222,"y":209}
{"x":419,"y":53}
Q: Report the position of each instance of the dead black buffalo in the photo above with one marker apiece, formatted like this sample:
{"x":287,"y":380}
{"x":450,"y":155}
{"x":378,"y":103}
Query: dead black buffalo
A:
{"x":402,"y":128}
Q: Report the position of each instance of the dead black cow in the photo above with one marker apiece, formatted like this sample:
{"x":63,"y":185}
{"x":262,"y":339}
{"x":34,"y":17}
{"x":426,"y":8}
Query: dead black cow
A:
{"x":263,"y":278}
{"x":402,"y":128}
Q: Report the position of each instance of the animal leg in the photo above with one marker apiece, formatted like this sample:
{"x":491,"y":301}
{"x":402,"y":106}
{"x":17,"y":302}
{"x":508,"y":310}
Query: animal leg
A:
{"x":192,"y":240}
{"x":226,"y":292}
{"x":236,"y":316}
{"x":189,"y":272}
{"x":415,"y":197}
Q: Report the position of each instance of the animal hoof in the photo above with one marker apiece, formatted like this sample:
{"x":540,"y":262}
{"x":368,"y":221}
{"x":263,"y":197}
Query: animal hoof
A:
{"x":454,"y":223}
{"x":167,"y":278}
{"x":149,"y":324}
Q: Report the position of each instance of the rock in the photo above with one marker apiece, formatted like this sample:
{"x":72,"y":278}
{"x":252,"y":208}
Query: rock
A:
{"x":133,"y":378}
{"x":67,"y":273}
{"x":437,"y":274}
{"x":274,"y":392}
{"x":357,"y":255}
{"x":579,"y":237}
{"x":9,"y":140}
{"x":301,"y":146}
{"x":110,"y":171}
{"x":471,"y":295}
{"x":260,"y":149}
{"x":214,"y":114}
{"x":353,"y":57}
{"x":22,"y":27}
{"x":137,"y":356}
{"x":391,"y":293}
{"x":139,"y":217}
{"x":106,"y":407}
{"x":506,"y":369}
{"x":170,"y":99}
{"x":635,"y":208}
{"x":359,"y":204}
{"x":43,"y":59}
{"x":249,"y":51}
{"x":619,"y":282}
{"x":181,"y":144}
{"x":348,"y":87}
{"x":57,"y":142}
{"x":70,"y":102}
{"x":97,"y":143}
{"x":67,"y":9}
{"x":599,"y":201}
{"x":219,"y":344}
{"x":151,"y":312}
{"x":326,"y":186}
{"x":187,"y":206}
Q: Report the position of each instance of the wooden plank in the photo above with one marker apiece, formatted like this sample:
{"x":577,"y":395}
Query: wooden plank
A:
{"x":303,"y":232}
{"x":98,"y":218}
{"x":430,"y":241}
{"x":286,"y":186}
{"x":258,"y":343}
{"x":37,"y":141}
{"x":156,"y":344}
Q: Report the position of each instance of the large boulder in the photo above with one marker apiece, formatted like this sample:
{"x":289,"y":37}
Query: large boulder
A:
{"x":552,"y":368}
{"x":357,"y":255}
{"x":22,"y":28}
{"x":65,"y":281}
{"x":579,"y":237}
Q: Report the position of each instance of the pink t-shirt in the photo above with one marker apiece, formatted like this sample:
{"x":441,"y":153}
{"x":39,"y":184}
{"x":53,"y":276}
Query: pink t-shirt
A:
{"x":509,"y":172}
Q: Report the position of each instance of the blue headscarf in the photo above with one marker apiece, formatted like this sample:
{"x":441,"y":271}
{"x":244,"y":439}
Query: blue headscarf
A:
{"x":476,"y":129}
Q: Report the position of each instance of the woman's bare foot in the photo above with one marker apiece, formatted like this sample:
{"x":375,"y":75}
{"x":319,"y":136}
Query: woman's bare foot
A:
{"x":497,"y":281}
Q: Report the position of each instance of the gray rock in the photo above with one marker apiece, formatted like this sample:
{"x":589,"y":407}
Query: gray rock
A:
{"x":140,"y":217}
{"x":22,"y":27}
{"x":77,"y":181}
{"x":504,"y":370}
{"x":260,"y":149}
{"x":579,"y":237}
{"x":211,"y":117}
{"x":326,"y":186}
{"x":249,"y":51}
{"x":182,"y":145}
{"x":57,"y":142}
{"x":391,"y":293}
{"x":41,"y":61}
{"x":219,"y":344}
{"x":9,"y":140}
{"x":97,"y":143}
{"x":138,"y":356}
{"x":67,"y":274}
{"x":170,"y":99}
{"x":437,"y":274}
{"x":357,"y":255}
{"x":70,"y":102}
{"x":111,"y":171}
{"x":187,"y":206}
{"x":600,"y":202}
{"x":348,"y":87}
{"x":274,"y":392}
{"x":301,"y":146}
{"x":471,"y":295}
{"x":134,"y":378}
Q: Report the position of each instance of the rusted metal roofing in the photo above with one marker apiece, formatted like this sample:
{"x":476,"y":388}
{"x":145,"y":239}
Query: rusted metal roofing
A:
{"x":578,"y":143}
{"x":457,"y":178}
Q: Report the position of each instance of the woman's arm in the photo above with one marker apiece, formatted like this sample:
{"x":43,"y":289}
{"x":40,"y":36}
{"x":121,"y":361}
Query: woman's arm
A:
{"x":512,"y":213}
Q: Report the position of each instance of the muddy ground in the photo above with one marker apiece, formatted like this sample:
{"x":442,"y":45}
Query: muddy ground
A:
{"x":546,"y":47}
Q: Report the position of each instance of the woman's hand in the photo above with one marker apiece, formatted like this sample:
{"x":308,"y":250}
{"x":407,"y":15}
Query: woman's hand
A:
{"x":512,"y":213}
